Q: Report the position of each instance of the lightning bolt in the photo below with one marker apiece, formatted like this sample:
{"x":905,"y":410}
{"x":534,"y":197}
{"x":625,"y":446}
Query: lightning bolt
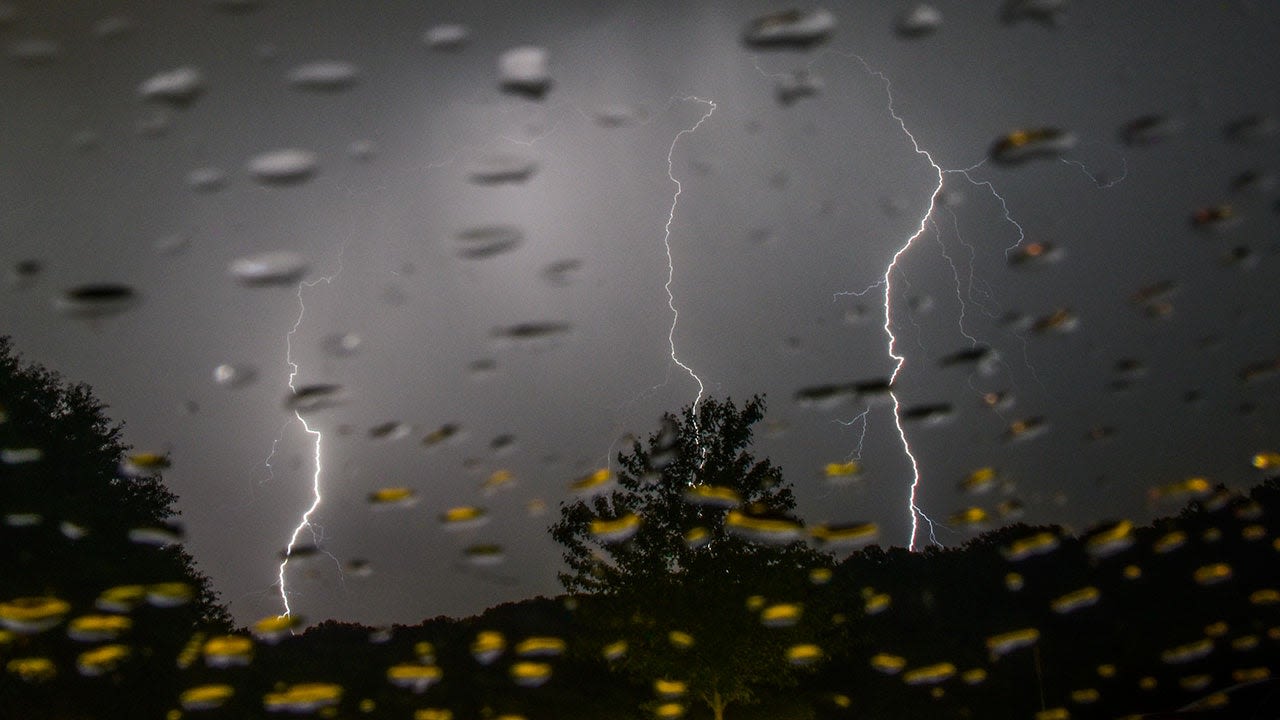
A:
{"x":666,"y":242}
{"x":316,"y":497}
{"x":671,"y":264}
{"x":886,"y":282}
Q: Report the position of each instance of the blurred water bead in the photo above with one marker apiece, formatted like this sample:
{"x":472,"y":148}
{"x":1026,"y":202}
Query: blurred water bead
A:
{"x":393,"y":497}
{"x":488,"y":646}
{"x":22,"y":274}
{"x":845,"y":536}
{"x":929,"y":414}
{"x":1075,"y":600}
{"x":272,"y":629}
{"x":717,"y":497}
{"x":794,"y":86}
{"x":440,"y":434}
{"x":1266,"y":460}
{"x":112,"y":26}
{"x":1007,"y":642}
{"x":121,"y":598}
{"x":96,"y":300}
{"x":34,"y":51}
{"x":102,"y":660}
{"x":303,"y":698}
{"x":234,"y":376}
{"x":172,"y":244}
{"x":562,"y":273}
{"x":283,"y":167}
{"x":342,"y":344}
{"x":72,"y":531}
{"x":206,"y":179}
{"x":169,"y":595}
{"x":1022,"y":145}
{"x":790,"y":29}
{"x":1046,"y":12}
{"x":414,"y":676}
{"x":501,"y":167}
{"x":1035,"y":254}
{"x":615,"y":530}
{"x":144,"y":463}
{"x":918,"y":21}
{"x":484,"y":554}
{"x":530,"y":674}
{"x":19,"y":520}
{"x":614,"y":651}
{"x":1254,"y":181}
{"x":1251,"y":128}
{"x":1025,"y":429}
{"x":391,"y":430}
{"x":310,"y":398}
{"x":1150,"y":130}
{"x":153,"y":124}
{"x":929,"y":674}
{"x":498,"y":480}
{"x":463,"y":518}
{"x":619,"y":115}
{"x":20,"y":455}
{"x":269,"y":268}
{"x":841,"y":470}
{"x":1215,"y":218}
{"x":479,"y":243}
{"x":323,"y":76}
{"x":362,"y":150}
{"x":592,"y":484}
{"x":887,"y":663}
{"x":31,"y":615}
{"x":178,"y":87}
{"x":227,"y":651}
{"x":765,"y":529}
{"x":32,"y":669}
{"x":979,"y":481}
{"x":205,"y":697}
{"x":530,"y":332}
{"x":523,"y":71}
{"x":446,"y":36}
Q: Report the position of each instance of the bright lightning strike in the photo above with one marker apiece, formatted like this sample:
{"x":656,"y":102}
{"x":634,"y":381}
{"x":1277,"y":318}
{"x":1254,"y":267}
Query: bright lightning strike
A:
{"x":666,"y":241}
{"x":887,"y":282}
{"x":316,"y":497}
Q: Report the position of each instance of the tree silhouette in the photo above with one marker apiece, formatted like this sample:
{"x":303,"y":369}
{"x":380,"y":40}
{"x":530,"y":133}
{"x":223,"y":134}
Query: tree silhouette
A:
{"x":70,"y":514}
{"x":712,"y":547}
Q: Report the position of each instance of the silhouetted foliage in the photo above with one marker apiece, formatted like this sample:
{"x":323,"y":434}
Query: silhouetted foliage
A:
{"x":657,"y":581}
{"x":66,"y":510}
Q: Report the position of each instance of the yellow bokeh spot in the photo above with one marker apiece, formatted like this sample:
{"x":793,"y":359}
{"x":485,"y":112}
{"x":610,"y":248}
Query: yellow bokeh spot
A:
{"x":669,"y":710}
{"x":680,"y":639}
{"x":835,"y":470}
{"x":32,"y":669}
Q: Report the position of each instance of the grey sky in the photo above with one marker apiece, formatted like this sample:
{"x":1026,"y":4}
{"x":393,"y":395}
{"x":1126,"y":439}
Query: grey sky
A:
{"x":782,"y":208}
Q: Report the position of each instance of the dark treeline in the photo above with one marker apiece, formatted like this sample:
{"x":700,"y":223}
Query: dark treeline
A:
{"x":1157,"y":640}
{"x":692,"y":610}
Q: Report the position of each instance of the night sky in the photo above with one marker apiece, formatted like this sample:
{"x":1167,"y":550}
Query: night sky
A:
{"x":789,"y":208}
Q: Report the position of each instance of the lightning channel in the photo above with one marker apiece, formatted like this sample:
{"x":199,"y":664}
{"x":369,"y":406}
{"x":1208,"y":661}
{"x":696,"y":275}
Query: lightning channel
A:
{"x":886,"y":282}
{"x":316,"y":497}
{"x":666,"y":242}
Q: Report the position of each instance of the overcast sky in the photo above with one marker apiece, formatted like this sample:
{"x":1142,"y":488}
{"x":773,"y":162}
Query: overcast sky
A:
{"x":784,"y":206}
